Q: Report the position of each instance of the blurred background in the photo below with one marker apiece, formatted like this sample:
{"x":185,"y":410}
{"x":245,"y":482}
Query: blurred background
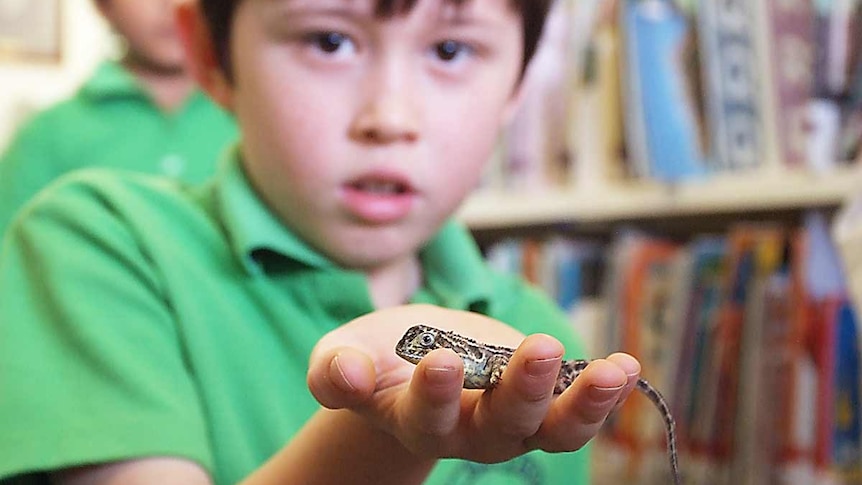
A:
{"x":47,"y":49}
{"x":684,"y":179}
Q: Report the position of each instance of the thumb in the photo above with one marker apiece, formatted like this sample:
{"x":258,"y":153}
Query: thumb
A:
{"x":341,"y":377}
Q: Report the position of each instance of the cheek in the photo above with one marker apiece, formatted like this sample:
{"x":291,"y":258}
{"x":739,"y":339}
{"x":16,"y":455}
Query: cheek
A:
{"x":470,"y":139}
{"x":469,"y":135}
{"x":142,"y":24}
{"x":285,"y":125}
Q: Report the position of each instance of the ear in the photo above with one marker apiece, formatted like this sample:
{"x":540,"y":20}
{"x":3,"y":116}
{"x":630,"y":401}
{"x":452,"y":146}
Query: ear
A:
{"x":201,"y":54}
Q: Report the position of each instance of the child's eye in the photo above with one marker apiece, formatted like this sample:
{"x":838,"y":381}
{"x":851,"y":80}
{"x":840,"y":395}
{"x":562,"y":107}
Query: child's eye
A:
{"x":451,"y":50}
{"x":331,"y":42}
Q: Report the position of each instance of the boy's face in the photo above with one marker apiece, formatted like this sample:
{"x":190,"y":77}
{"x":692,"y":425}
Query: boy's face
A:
{"x":364,"y":133}
{"x":149,"y":29}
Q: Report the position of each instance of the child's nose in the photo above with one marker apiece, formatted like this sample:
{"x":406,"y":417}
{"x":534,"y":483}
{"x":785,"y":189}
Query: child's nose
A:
{"x":388,"y":113}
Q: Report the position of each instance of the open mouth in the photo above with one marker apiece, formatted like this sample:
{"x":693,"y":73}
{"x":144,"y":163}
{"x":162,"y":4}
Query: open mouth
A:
{"x":381,"y":187}
{"x":379,"y":197}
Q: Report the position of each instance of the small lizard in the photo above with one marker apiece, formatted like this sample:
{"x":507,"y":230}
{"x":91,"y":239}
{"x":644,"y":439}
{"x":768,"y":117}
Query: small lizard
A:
{"x":484,"y":365}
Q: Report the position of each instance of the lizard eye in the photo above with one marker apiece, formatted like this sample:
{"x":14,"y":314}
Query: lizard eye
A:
{"x":426,"y":339}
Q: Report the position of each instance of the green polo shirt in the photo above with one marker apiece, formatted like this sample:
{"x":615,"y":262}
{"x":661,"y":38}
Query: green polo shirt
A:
{"x":147,"y":318}
{"x":112,"y":122}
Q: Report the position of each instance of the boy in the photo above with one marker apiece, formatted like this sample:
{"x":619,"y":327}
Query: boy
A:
{"x":142,"y":113}
{"x":188,"y":335}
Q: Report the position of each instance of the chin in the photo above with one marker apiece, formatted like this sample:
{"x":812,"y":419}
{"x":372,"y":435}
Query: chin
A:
{"x":366,"y":261}
{"x":375,"y":254}
{"x":363,"y":247}
{"x":166,"y":65}
{"x":170,"y":68}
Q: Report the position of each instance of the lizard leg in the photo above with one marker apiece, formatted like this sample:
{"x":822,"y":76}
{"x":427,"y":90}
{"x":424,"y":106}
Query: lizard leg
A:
{"x":498,"y":366}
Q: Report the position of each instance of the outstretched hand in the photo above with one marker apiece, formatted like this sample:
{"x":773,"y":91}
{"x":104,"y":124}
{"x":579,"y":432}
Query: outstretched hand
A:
{"x":355,"y":367}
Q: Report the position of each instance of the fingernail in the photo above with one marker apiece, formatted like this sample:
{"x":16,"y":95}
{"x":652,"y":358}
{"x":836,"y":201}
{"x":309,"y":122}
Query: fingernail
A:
{"x":541,"y":367}
{"x":439,"y":375}
{"x":335,"y":369}
{"x":604,"y":394}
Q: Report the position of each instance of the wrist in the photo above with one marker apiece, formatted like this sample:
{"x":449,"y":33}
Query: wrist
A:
{"x":371,"y":444}
{"x":340,"y":446}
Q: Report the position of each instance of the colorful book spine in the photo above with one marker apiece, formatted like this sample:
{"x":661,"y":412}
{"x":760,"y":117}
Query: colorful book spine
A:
{"x":662,"y":121}
{"x":597,"y":137}
{"x":749,"y":335}
{"x":788,"y":50}
{"x":730,"y":60}
{"x":707,"y":268}
{"x":647,"y":294}
{"x":847,"y":405}
{"x":850,"y":148}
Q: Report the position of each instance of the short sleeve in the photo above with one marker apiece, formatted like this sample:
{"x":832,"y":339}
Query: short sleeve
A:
{"x":91,"y":363}
{"x":26,"y":166}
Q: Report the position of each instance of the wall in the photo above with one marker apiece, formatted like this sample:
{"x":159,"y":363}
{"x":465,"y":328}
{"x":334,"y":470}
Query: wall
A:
{"x":25,"y":87}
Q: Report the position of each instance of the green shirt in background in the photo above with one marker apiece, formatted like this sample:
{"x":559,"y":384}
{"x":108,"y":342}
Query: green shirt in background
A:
{"x":153,"y":319}
{"x":112,"y":122}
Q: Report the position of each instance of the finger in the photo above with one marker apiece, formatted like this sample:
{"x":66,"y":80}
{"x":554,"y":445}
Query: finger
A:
{"x":341,"y":378}
{"x":632,"y":369}
{"x":580,"y":411}
{"x":517,"y":406}
{"x":432,"y":405}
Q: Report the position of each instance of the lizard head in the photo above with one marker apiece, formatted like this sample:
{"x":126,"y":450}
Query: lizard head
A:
{"x":417,"y":342}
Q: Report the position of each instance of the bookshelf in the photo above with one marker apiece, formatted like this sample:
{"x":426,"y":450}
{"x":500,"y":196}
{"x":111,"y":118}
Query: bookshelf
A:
{"x":610,"y":202}
{"x":725,"y":283}
{"x":712,"y":205}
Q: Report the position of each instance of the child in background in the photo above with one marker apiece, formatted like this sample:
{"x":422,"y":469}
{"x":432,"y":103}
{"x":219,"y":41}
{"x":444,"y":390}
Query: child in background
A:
{"x":142,"y":113}
{"x":168,"y":334}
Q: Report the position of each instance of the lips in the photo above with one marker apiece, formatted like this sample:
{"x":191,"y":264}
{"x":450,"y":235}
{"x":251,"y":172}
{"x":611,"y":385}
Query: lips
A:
{"x":380,"y":187}
{"x":379,"y":197}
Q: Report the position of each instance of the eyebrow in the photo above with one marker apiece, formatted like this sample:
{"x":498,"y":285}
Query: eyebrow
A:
{"x":452,"y":11}
{"x":284,"y":8}
{"x":456,"y":14}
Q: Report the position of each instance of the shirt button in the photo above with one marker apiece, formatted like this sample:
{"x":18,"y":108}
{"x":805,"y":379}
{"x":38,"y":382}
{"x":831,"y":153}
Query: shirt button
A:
{"x":173,"y":165}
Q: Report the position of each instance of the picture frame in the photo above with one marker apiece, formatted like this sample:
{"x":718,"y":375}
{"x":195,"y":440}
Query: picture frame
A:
{"x":30,"y":31}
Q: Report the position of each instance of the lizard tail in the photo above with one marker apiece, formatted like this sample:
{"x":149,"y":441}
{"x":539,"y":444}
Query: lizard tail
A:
{"x":670,"y":426}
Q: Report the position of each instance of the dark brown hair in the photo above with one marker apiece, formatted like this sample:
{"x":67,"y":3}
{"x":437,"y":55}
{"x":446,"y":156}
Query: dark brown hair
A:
{"x":219,"y":16}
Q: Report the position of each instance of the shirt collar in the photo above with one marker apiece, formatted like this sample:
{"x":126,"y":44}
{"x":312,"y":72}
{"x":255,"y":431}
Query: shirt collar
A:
{"x":112,"y":80}
{"x":255,"y":233}
{"x":455,"y":273}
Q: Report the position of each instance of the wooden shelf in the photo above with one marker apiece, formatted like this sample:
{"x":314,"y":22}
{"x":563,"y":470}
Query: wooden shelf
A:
{"x":739,"y":193}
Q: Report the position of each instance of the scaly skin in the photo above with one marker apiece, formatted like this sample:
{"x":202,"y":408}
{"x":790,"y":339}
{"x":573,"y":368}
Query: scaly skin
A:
{"x":484,"y":365}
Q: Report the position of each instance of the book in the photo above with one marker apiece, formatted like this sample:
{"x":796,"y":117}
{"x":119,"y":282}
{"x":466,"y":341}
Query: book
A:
{"x":847,"y":403}
{"x":786,"y":43}
{"x":576,"y":269}
{"x":850,"y":143}
{"x":755,"y":252}
{"x":774,"y":382}
{"x":596,"y":135}
{"x":749,"y":335}
{"x":707,"y":255}
{"x":823,"y":344}
{"x":734,"y":106}
{"x":835,"y":122}
{"x":647,"y":292}
{"x":663,"y":138}
{"x":505,"y":256}
{"x":796,"y":431}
